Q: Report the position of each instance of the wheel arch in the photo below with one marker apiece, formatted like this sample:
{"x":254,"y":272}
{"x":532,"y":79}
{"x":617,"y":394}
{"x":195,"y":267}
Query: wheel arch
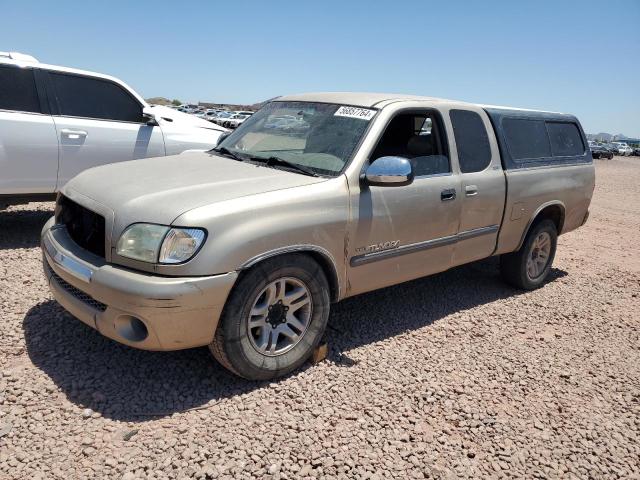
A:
{"x":319,"y":254}
{"x":553,"y":210}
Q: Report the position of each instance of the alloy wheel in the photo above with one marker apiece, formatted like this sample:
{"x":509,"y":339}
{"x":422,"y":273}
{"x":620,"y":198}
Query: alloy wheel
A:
{"x":280,"y":316}
{"x":539,"y":255}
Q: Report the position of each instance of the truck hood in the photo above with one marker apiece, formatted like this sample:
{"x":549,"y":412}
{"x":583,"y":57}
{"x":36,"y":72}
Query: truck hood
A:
{"x":158,"y":190}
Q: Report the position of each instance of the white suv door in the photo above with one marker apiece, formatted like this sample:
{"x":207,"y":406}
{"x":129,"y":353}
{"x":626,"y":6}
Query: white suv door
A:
{"x":98,"y":122}
{"x":28,"y":141}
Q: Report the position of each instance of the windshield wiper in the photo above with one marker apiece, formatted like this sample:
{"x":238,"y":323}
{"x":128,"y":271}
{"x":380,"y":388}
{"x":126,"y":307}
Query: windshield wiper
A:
{"x":273,"y":160}
{"x":228,"y":153}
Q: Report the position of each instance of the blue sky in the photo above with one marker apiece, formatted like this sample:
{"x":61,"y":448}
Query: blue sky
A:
{"x":581,"y":57}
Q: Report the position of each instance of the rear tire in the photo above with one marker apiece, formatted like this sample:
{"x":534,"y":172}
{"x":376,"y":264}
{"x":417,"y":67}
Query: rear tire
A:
{"x":529,"y":267}
{"x":274,"y":318}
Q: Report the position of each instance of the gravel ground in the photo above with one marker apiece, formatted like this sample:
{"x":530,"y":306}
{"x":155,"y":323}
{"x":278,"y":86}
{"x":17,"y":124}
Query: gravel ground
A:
{"x":456,"y":375}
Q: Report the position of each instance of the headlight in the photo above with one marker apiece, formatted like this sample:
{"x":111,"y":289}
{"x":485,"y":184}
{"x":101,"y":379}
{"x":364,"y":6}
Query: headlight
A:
{"x":141,"y":241}
{"x":158,"y":243}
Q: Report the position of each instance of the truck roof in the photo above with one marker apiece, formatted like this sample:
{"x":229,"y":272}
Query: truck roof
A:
{"x":360,"y":99}
{"x":370,"y":99}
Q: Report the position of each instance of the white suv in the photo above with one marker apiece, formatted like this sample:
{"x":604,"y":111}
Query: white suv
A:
{"x":56,"y":122}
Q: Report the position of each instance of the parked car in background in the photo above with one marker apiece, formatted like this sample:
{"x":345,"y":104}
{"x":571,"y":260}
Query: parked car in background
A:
{"x":222,"y":117}
{"x":56,"y":122}
{"x":235,"y":120}
{"x":636,"y":151}
{"x":623,"y":149}
{"x":599,"y":151}
{"x":210,"y":115}
{"x":611,"y":147}
{"x":188,"y":108}
{"x":245,"y":247}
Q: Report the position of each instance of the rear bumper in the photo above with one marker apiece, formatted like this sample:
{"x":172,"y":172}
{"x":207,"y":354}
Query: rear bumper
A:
{"x":174,"y":313}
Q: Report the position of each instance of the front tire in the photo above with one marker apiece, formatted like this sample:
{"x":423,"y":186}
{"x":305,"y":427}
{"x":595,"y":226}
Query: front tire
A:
{"x":274,"y":318}
{"x":529,"y":267}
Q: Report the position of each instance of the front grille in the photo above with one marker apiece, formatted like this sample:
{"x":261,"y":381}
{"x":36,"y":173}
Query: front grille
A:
{"x":85,"y":227}
{"x":79,"y":294}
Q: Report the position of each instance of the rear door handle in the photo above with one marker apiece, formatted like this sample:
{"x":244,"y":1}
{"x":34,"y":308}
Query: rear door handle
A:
{"x":73,"y":134}
{"x":449,"y":194}
{"x":470,"y":190}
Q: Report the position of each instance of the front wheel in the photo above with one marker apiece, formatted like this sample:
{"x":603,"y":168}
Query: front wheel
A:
{"x":274,"y":318}
{"x":529,"y":267}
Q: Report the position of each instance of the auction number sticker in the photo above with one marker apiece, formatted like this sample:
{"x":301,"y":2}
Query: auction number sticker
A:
{"x":355,"y":112}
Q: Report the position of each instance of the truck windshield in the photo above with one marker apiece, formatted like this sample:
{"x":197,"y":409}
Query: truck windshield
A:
{"x":319,"y":136}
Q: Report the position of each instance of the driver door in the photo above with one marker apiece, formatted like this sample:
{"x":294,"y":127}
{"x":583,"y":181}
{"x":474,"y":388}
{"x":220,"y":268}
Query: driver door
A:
{"x":403,"y":233}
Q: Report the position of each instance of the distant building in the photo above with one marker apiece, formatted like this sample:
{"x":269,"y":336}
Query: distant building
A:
{"x":625,"y":139}
{"x":607,"y":137}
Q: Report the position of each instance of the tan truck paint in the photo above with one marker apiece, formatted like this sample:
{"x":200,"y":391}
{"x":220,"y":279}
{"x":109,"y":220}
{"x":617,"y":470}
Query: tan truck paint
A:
{"x":364,"y":237}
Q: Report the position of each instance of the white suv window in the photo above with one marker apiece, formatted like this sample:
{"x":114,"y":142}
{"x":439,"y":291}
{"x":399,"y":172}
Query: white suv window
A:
{"x":88,"y":97}
{"x":18,"y":89}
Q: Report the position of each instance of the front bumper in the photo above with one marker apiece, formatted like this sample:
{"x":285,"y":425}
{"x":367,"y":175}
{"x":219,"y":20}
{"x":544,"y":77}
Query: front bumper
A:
{"x":175,"y":313}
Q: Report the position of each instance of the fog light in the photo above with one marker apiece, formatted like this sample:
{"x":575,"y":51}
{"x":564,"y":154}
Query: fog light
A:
{"x":131,"y":328}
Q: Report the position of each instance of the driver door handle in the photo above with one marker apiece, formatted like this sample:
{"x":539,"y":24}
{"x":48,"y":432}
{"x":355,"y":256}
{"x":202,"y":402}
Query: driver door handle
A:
{"x":470,"y":190}
{"x":73,"y":134}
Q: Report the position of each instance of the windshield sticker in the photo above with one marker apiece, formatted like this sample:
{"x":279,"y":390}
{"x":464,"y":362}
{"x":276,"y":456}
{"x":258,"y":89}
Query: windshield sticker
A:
{"x":354,"y":112}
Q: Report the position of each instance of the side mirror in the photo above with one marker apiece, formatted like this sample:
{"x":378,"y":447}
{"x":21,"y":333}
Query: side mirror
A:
{"x":389,"y":172}
{"x":150,"y":117}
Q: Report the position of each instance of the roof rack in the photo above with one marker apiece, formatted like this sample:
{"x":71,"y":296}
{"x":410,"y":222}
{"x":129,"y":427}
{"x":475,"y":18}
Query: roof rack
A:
{"x":22,"y":57}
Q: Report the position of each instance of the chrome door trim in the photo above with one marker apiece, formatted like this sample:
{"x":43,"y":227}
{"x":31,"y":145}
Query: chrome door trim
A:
{"x":476,"y":232}
{"x":366,"y":258}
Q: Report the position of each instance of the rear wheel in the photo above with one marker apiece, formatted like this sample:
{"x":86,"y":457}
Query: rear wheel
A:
{"x":529,"y":267}
{"x":274,"y":318}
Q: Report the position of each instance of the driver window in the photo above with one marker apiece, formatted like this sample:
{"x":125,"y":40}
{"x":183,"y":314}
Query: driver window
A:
{"x":417,"y":137}
{"x":97,"y":98}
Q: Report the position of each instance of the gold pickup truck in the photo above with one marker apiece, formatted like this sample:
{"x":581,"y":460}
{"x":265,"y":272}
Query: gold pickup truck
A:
{"x":313,"y":199}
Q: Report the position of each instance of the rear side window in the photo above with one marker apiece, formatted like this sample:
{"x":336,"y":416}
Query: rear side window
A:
{"x":526,"y":138}
{"x":474,"y":151}
{"x":18,"y":90}
{"x":565,"y":138}
{"x":94,"y":98}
